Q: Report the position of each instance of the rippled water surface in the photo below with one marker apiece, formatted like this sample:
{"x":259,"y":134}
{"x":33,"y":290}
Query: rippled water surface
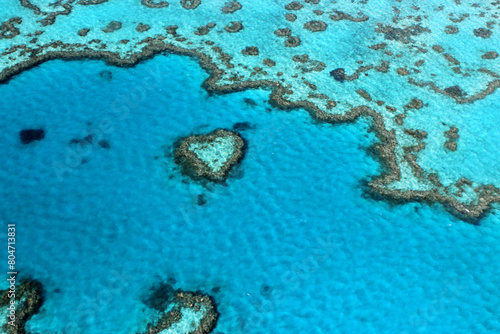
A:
{"x":292,"y":243}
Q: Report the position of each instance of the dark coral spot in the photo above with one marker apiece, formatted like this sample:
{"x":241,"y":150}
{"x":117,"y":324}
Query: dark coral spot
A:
{"x":338,"y":74}
{"x":142,"y":27}
{"x":104,"y":143}
{"x":455,"y":91}
{"x":482,"y":32}
{"x":30,"y":135}
{"x":190,"y":4}
{"x":250,"y":102}
{"x":160,"y":297}
{"x":106,"y":75}
{"x":231,"y":7}
{"x":250,"y":51}
{"x":315,"y":26}
{"x":84,"y":141}
{"x":83,"y":32}
{"x":242,"y":126}
{"x":233,"y":27}
{"x":292,"y":42}
{"x":201,"y":200}
{"x":265,"y":291}
{"x":295,"y":5}
{"x":112,"y":27}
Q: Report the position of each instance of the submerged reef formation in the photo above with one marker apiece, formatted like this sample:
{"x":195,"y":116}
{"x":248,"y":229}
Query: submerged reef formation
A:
{"x":28,"y":300}
{"x":397,"y":64}
{"x":209,"y":156}
{"x":451,"y":136}
{"x":181,"y":311}
{"x":28,"y":136}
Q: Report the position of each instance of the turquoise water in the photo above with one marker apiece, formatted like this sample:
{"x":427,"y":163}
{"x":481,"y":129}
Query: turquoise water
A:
{"x":292,"y":242}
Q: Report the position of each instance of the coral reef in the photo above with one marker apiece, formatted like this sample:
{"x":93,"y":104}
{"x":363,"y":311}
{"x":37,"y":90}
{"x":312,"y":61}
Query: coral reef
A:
{"x":28,"y":136}
{"x":211,"y":156}
{"x":231,"y":7}
{"x":28,"y":300}
{"x":172,"y":306}
{"x":401,"y":48}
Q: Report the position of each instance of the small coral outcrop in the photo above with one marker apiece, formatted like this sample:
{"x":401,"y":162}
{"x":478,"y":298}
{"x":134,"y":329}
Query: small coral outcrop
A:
{"x":209,"y":156}
{"x":18,"y":304}
{"x":181,"y":311}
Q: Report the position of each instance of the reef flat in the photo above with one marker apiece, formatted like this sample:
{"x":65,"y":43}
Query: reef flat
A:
{"x":412,"y":69}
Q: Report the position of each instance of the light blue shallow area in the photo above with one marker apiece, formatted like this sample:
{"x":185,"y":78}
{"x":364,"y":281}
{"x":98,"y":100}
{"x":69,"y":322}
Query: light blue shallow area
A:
{"x":293,"y":218}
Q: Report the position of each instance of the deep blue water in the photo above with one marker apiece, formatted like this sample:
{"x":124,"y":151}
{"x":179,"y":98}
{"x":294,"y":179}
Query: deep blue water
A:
{"x":292,"y":241}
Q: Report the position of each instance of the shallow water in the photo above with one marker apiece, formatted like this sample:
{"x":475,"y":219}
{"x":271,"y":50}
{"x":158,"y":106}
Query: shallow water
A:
{"x":292,"y":242}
